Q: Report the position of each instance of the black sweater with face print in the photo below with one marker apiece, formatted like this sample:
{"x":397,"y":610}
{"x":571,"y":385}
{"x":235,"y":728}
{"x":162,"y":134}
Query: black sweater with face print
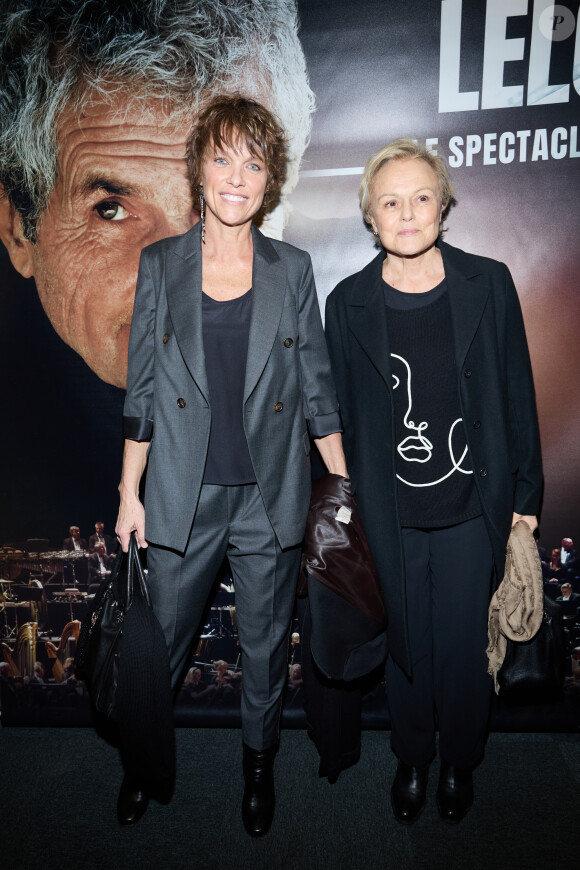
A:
{"x":435,"y":483}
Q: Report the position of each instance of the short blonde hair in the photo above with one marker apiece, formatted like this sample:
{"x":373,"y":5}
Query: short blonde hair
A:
{"x":405,"y":149}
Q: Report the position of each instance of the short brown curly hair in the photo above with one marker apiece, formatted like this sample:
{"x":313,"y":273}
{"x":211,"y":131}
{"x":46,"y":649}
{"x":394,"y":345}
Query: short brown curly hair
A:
{"x":223,"y":121}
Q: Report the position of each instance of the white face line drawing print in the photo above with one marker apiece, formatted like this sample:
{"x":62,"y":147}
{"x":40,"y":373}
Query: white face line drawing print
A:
{"x":412,"y":442}
{"x":419,"y":441}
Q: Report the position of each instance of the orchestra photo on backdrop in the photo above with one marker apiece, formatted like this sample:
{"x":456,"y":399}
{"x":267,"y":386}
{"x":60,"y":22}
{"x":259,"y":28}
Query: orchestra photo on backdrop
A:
{"x":45,"y":593}
{"x":44,"y":596}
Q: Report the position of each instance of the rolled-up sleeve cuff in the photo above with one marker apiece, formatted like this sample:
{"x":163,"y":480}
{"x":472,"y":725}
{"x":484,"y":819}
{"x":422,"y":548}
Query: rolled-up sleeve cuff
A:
{"x":137,"y":428}
{"x":325,"y":424}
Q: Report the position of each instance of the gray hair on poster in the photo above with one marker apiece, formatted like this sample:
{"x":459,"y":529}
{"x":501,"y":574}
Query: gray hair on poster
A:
{"x":63,"y":54}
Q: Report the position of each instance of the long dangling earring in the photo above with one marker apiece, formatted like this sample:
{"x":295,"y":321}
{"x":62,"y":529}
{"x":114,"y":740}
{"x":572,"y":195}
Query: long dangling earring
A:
{"x":202,"y":216}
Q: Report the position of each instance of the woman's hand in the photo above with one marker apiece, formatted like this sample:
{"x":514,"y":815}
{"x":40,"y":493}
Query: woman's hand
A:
{"x":131,"y":511}
{"x":131,"y":518}
{"x":531,"y":521}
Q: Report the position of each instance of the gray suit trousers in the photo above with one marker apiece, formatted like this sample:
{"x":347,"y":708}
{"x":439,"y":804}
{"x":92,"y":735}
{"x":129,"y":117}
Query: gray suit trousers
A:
{"x":232,"y":521}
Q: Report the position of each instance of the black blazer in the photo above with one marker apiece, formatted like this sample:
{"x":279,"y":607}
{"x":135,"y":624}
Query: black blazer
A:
{"x":496,"y":393}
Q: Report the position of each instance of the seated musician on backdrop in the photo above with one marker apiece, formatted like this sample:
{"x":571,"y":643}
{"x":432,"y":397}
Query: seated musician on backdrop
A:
{"x":99,"y":566}
{"x":568,"y":600}
{"x":568,"y":557}
{"x":194,"y":690}
{"x":553,"y":571}
{"x":100,"y":537}
{"x":193,"y":683}
{"x":74,"y":542}
{"x":222,"y":675}
{"x":69,"y":669}
{"x":38,"y":673}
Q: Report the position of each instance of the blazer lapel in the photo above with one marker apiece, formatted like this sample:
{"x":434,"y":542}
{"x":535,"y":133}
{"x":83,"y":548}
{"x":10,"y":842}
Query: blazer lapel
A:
{"x":467,"y":300}
{"x":269,"y":288}
{"x":367,"y":318}
{"x":183,"y":289}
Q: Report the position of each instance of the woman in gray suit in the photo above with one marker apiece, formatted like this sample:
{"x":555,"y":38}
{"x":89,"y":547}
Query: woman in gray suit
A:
{"x":228,"y":379}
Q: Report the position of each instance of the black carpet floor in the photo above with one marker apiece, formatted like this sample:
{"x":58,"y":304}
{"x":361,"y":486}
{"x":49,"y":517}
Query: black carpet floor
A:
{"x":58,"y":792}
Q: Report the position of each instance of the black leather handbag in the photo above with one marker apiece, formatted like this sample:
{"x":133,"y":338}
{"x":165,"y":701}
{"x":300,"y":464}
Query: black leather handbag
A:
{"x":99,"y":643}
{"x":534,"y":670}
{"x":122,"y":656}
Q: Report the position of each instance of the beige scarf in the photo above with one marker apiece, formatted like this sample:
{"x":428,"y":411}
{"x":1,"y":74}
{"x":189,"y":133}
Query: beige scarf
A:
{"x":517,"y":607}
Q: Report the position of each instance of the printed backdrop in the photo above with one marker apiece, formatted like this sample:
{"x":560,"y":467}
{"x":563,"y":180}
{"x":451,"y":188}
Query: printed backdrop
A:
{"x":495,"y":84}
{"x":501,"y":99}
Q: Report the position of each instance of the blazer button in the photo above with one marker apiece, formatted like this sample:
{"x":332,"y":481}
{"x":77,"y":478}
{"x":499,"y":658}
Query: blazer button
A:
{"x":476,"y":424}
{"x":181,"y":403}
{"x":288,"y":342}
{"x":467,"y":373}
{"x":483,"y":472}
{"x":166,"y":338}
{"x":278,"y":406}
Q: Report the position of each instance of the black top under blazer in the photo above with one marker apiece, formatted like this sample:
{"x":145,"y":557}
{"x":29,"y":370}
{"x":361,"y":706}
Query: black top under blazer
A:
{"x":496,"y":394}
{"x":288,"y":392}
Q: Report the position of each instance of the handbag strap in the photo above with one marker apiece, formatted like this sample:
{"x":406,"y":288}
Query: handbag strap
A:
{"x":135,"y":572}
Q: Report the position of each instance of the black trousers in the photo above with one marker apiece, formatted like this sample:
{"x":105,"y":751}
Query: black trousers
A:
{"x":448,"y":588}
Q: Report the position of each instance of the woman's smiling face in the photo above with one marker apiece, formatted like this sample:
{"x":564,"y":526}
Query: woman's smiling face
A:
{"x":234,"y":182}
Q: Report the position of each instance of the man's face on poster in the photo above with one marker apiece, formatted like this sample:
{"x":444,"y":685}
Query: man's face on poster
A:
{"x":119,"y":142}
{"x":121,"y":185}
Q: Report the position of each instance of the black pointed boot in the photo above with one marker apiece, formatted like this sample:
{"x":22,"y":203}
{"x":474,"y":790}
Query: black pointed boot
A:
{"x":259,"y":800}
{"x":132,"y":802}
{"x":408,"y":792}
{"x":454,"y":793}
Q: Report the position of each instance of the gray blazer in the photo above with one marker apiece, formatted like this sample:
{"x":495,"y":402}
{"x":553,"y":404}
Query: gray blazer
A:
{"x":288,"y":393}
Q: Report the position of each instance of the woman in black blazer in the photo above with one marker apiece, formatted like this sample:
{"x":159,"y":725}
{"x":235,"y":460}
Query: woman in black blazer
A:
{"x":434,"y":382}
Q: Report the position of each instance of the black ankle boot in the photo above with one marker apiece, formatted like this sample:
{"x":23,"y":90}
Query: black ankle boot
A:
{"x":258,"y":802}
{"x":132,"y":802}
{"x":408,"y":792}
{"x":454,"y":793}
